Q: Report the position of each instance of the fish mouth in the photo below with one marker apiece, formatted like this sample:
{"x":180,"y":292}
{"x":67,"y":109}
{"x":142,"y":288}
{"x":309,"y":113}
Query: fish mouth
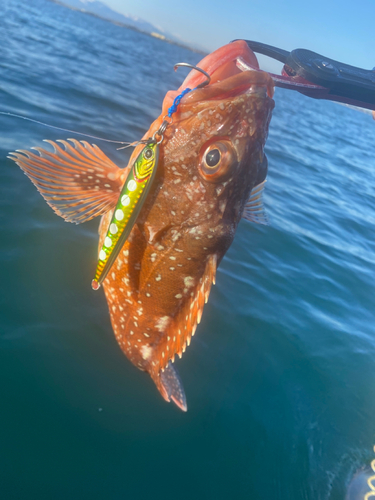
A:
{"x":234,"y":70}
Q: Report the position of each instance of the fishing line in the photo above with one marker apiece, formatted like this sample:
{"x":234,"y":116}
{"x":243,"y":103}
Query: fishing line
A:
{"x":125,"y":144}
{"x":128,"y":144}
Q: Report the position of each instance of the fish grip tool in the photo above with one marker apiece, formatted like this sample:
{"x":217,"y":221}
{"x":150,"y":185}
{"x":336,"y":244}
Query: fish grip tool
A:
{"x":320,"y":77}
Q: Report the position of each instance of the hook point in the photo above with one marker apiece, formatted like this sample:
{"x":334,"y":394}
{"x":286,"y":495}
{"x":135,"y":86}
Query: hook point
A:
{"x":187,"y":65}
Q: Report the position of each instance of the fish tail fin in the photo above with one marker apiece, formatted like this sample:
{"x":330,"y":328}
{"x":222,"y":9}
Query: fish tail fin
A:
{"x":170,"y":386}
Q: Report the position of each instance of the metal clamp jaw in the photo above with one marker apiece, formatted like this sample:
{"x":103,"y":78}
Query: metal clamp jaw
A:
{"x":320,"y":77}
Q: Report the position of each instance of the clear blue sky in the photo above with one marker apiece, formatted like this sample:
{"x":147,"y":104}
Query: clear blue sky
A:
{"x":343,"y":30}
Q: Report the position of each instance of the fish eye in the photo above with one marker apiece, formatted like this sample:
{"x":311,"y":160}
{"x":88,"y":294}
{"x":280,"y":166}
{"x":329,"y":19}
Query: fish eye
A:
{"x":148,"y":154}
{"x":213,"y":157}
{"x":217,"y":160}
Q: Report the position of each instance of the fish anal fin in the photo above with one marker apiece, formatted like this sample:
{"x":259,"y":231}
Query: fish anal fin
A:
{"x":254,"y":209}
{"x":77,"y":180}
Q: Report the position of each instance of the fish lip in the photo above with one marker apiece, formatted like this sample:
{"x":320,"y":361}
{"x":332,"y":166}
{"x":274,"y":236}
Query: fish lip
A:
{"x":225,"y":69}
{"x":247,"y":82}
{"x":224,"y":84}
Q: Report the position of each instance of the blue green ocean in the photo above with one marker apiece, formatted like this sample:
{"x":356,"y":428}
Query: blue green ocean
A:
{"x":280,"y":376}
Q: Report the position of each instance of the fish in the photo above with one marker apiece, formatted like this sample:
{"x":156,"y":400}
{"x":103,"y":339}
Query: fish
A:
{"x":211,"y":172}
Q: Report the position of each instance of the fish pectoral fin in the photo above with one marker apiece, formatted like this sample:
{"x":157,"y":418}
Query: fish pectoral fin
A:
{"x":78,"y":180}
{"x":254,"y":209}
{"x":172,"y":385}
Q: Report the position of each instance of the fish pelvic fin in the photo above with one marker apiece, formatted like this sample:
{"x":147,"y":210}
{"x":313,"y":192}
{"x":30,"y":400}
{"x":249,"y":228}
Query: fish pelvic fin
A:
{"x":77,"y":180}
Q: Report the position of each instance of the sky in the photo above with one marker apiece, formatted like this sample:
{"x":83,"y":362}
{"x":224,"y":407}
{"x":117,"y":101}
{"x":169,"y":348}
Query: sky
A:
{"x":342,"y":30}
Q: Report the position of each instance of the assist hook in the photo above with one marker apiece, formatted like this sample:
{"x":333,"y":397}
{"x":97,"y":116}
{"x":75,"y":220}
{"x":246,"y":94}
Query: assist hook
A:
{"x":187,"y":65}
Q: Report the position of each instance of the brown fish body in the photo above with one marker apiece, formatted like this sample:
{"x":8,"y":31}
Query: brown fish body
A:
{"x":210,"y":160}
{"x":163,"y":275}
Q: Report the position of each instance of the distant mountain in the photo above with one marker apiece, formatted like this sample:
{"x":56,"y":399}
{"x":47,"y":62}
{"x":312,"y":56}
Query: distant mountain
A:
{"x":99,"y":9}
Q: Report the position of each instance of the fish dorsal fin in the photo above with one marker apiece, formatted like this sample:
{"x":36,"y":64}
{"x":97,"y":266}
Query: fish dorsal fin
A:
{"x":78,"y":181}
{"x":254,"y":210}
{"x":183,"y":326}
{"x":178,"y":335}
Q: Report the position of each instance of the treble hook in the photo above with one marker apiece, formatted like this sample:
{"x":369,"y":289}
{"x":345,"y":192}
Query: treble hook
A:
{"x":187,"y":65}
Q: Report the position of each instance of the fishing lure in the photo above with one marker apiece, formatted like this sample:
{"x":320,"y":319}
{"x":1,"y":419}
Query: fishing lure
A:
{"x":129,"y":204}
{"x":135,"y":190}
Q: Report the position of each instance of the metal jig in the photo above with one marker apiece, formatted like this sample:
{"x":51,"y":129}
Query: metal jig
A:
{"x":135,"y":190}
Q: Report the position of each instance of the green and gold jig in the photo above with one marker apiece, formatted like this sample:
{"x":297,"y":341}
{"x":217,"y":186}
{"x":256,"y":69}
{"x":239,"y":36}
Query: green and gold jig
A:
{"x":135,"y":190}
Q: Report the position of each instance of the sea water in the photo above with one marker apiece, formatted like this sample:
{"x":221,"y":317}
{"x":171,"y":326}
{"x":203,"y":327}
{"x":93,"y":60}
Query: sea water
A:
{"x":280,"y":376}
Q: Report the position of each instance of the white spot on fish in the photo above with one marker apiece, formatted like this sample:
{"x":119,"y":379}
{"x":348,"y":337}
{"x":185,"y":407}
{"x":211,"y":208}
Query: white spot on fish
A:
{"x":222,"y":206}
{"x":189,"y":281}
{"x":146,"y":351}
{"x":113,"y":228}
{"x":162,"y":323}
{"x":102,"y":255}
{"x":108,"y":241}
